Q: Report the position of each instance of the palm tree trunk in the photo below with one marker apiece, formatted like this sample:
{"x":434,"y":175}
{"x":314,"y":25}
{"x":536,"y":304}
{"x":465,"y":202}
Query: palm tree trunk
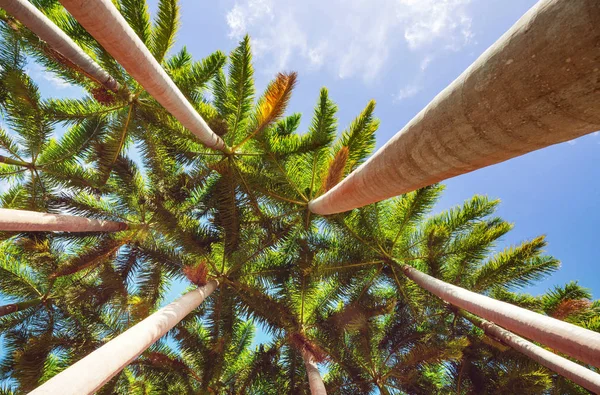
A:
{"x":90,"y":373}
{"x":315,"y":382}
{"x":572,"y":340}
{"x":574,"y":372}
{"x":58,"y":40}
{"x":14,"y":162}
{"x":536,"y":86}
{"x":104,"y":22}
{"x":32,"y":221}
{"x":14,"y":307}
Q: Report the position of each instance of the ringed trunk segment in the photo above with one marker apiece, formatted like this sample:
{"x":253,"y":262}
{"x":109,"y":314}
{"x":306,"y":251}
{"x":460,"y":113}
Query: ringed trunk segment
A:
{"x":577,"y":342}
{"x":104,"y":22}
{"x":315,"y":382}
{"x":93,"y":371}
{"x":538,"y":85}
{"x":58,"y":40}
{"x":33,"y":221}
{"x":578,"y":374}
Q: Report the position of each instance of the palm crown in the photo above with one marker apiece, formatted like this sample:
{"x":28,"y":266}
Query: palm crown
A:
{"x":327,"y":289}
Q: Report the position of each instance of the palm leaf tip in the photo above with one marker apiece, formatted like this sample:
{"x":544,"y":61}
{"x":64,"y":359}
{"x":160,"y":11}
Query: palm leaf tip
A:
{"x":276,"y":99}
{"x":273,"y":103}
{"x":336,"y":168}
{"x":570,"y":307}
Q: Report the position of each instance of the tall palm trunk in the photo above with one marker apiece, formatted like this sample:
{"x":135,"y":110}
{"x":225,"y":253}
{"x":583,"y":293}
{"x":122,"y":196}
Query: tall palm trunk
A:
{"x":536,"y":86}
{"x":32,"y":221}
{"x":572,"y":340}
{"x":574,"y":372}
{"x":103,"y":21}
{"x":58,"y":40}
{"x":315,"y":382}
{"x":92,"y":372}
{"x":14,"y":307}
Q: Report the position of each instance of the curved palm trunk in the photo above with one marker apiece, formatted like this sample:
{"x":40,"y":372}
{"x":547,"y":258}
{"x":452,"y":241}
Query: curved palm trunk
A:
{"x":33,"y":221}
{"x":315,"y":382}
{"x":14,"y":307}
{"x":572,"y":340}
{"x":92,"y":372}
{"x":43,"y":27}
{"x":536,"y":86}
{"x":574,"y":372}
{"x":103,"y":21}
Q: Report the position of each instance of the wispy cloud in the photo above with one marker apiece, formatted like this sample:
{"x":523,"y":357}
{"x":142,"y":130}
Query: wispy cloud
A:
{"x":351,"y":38}
{"x":407,"y":92}
{"x":38,"y":72}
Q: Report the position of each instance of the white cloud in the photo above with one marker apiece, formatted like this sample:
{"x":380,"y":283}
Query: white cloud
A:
{"x":430,"y":20}
{"x":407,"y":92}
{"x":425,"y":62}
{"x":351,"y":38}
{"x":38,"y":72}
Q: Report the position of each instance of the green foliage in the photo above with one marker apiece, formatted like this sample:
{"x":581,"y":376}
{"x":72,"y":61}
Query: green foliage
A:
{"x":325,"y":288}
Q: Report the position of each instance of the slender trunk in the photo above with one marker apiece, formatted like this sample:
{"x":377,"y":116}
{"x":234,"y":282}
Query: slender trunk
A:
{"x":33,"y":221}
{"x":14,"y":162}
{"x":58,"y":40}
{"x":92,"y":372}
{"x":572,"y":340}
{"x":383,"y":389}
{"x":104,"y":22}
{"x":536,"y":86}
{"x":14,"y":307}
{"x":315,"y":382}
{"x":574,"y":372}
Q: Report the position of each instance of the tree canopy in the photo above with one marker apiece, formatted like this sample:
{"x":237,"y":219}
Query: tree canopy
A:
{"x":331,"y":286}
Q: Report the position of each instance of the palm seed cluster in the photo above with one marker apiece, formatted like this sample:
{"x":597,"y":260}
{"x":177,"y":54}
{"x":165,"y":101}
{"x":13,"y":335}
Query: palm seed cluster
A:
{"x":330,"y":287}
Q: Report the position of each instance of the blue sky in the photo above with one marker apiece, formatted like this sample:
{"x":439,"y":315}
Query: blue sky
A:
{"x":402,"y":53}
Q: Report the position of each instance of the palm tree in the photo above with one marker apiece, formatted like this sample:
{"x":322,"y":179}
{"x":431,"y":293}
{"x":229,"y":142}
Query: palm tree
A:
{"x":464,"y":129}
{"x":61,"y":46}
{"x":127,"y":43}
{"x":565,"y":368}
{"x":109,"y":359}
{"x":329,"y":291}
{"x":28,"y":221}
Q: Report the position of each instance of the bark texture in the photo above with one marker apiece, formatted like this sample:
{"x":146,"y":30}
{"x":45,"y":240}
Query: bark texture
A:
{"x":104,"y":22}
{"x":538,"y":85}
{"x":92,"y":372}
{"x":33,"y":221}
{"x":569,"y":369}
{"x":58,"y":40}
{"x":572,"y":340}
{"x":315,"y":382}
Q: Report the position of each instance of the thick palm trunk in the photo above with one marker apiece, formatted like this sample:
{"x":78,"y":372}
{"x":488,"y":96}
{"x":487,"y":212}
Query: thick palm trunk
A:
{"x":58,"y":40}
{"x":14,"y":307}
{"x":572,"y":340}
{"x":315,"y":382}
{"x":536,"y":86}
{"x":92,"y":372}
{"x":32,"y":221}
{"x":103,"y":21}
{"x":574,"y":372}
